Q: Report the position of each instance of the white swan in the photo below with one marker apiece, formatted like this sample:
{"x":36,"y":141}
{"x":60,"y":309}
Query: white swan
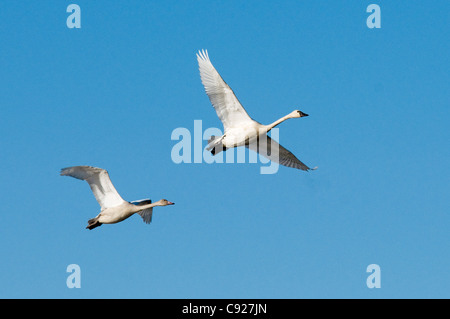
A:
{"x":239,"y":128}
{"x":113,"y":208}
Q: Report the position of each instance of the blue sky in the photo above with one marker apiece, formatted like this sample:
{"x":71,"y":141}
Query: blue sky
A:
{"x":111,"y":93}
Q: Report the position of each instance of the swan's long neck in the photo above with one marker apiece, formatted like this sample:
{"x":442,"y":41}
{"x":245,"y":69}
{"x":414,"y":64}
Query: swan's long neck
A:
{"x":281,"y":120}
{"x":139,"y":208}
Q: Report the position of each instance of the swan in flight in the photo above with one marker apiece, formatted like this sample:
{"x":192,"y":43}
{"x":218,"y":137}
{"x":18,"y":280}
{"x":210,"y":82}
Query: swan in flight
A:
{"x":239,"y":128}
{"x":113,"y":208}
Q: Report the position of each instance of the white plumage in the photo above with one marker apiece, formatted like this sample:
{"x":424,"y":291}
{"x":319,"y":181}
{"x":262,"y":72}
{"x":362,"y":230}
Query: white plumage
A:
{"x":228,"y":108}
{"x":239,"y":128}
{"x":113,"y":208}
{"x":100,"y":183}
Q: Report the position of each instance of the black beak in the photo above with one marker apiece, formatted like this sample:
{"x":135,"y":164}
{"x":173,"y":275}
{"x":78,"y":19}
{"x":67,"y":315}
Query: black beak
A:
{"x":302,"y":114}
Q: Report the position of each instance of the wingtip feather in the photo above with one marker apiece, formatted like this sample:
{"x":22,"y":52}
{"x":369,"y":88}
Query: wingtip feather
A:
{"x":64,"y":171}
{"x":203,"y":55}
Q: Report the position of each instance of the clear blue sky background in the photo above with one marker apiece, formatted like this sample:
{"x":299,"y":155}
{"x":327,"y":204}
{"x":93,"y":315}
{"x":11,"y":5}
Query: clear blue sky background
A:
{"x":111,"y":93}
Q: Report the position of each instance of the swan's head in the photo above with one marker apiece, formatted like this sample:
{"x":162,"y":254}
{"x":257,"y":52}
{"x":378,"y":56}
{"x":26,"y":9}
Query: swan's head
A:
{"x":164,"y":202}
{"x":298,"y":113}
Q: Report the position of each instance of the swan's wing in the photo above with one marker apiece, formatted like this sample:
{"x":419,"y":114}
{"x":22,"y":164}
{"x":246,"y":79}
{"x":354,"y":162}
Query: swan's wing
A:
{"x":268,"y":148}
{"x":226,"y":104}
{"x":100,"y":183}
{"x":146,"y":214}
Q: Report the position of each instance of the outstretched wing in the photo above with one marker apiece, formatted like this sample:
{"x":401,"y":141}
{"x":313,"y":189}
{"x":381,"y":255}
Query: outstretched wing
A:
{"x":100,"y":183}
{"x":146,"y":214}
{"x":222,"y":97}
{"x":275,"y":152}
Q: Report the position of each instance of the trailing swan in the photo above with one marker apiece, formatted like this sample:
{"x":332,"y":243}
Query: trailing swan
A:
{"x":113,"y":208}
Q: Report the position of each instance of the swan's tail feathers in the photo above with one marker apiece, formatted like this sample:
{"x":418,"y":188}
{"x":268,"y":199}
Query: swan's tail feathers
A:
{"x":215,"y":145}
{"x":211,"y":139}
{"x":211,"y":142}
{"x":92,"y":223}
{"x":217,"y":149}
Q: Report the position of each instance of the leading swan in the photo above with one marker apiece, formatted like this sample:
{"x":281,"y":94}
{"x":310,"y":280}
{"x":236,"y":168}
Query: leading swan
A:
{"x":239,"y":128}
{"x":113,"y":208}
